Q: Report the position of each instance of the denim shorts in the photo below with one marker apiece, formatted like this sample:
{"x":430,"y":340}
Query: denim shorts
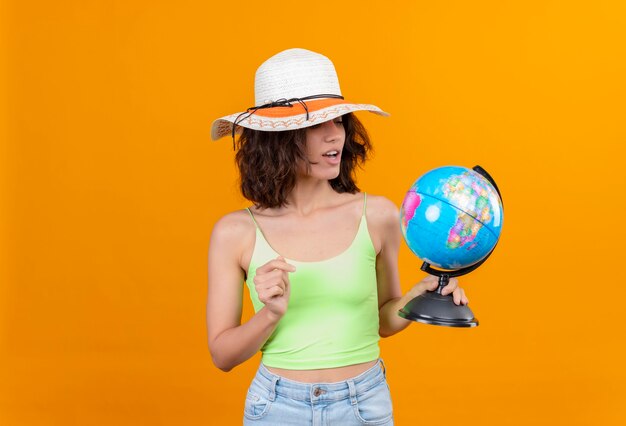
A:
{"x":362,"y":400}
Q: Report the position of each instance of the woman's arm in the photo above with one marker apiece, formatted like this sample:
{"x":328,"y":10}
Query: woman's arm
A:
{"x":231,"y":342}
{"x":385,"y":220}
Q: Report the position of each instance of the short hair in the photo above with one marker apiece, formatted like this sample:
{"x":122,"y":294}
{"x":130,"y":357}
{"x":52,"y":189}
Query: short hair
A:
{"x":268,"y":161}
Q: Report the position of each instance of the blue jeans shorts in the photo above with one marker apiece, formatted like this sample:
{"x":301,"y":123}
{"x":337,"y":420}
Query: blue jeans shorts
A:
{"x":362,"y":400}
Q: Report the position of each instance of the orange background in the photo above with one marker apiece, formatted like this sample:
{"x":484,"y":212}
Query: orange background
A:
{"x":110,"y":186}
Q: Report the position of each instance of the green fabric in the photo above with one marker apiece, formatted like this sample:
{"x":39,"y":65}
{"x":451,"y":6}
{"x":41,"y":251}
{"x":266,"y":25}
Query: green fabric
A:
{"x":332,"y":317}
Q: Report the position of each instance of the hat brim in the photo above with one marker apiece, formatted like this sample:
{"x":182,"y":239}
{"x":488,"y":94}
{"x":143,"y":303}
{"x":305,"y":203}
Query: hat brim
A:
{"x":293,"y":117}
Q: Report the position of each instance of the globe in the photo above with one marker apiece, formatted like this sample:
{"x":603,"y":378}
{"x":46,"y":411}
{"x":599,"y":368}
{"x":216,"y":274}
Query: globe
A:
{"x":451,"y":217}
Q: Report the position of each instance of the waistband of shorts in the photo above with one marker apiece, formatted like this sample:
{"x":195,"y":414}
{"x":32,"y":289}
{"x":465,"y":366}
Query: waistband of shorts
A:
{"x":279,"y":385}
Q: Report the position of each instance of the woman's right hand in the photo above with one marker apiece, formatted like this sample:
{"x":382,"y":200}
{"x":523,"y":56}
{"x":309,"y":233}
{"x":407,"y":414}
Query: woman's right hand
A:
{"x":271,"y":282}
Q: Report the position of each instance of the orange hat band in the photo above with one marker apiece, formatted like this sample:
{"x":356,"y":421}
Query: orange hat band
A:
{"x":298,"y":108}
{"x":289,"y":107}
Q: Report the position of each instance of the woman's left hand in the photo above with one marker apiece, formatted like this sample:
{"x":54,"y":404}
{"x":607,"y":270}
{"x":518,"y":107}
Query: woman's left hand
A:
{"x":430,"y":283}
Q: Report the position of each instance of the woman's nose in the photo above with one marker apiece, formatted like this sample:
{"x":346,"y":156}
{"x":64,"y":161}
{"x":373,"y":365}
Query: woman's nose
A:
{"x":332,"y":130}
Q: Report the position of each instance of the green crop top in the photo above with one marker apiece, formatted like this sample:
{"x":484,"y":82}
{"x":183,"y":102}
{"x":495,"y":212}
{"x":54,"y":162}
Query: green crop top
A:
{"x":332,"y":317}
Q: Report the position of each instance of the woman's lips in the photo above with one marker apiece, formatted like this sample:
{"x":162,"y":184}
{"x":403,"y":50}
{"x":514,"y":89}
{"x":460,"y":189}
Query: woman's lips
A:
{"x":332,"y":157}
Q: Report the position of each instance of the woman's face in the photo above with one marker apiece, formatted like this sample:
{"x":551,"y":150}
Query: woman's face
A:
{"x":324,"y":143}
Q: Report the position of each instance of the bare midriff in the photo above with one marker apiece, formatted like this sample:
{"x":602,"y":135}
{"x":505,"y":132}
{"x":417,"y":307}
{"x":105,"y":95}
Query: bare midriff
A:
{"x":324,"y":375}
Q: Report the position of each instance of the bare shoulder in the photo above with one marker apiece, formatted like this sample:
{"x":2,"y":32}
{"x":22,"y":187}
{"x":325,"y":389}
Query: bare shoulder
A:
{"x":383,"y":221}
{"x":233,"y":229}
{"x":381,"y":211}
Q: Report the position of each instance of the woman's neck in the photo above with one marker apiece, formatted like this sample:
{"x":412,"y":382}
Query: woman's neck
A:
{"x":309,"y":195}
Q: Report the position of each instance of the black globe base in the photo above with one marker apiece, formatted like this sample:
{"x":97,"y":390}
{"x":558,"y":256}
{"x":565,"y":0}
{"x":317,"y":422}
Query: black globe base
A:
{"x":436,"y":309}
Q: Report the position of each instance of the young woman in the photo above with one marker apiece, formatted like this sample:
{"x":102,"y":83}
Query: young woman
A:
{"x":319,"y":257}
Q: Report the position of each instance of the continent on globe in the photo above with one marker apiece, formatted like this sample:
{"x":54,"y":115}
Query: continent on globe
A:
{"x":412,"y":200}
{"x":472,"y":197}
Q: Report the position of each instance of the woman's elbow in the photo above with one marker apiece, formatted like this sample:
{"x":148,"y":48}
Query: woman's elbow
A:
{"x":219,"y":360}
{"x":389,"y":330}
{"x":385,"y":333}
{"x":223,"y":366}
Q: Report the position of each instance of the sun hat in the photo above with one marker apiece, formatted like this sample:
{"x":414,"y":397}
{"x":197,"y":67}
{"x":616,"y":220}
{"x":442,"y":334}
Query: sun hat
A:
{"x":293,"y":89}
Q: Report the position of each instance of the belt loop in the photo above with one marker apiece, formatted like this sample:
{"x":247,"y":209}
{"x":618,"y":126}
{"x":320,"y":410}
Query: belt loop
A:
{"x":352,"y":392}
{"x":383,"y":367}
{"x":272,"y":395}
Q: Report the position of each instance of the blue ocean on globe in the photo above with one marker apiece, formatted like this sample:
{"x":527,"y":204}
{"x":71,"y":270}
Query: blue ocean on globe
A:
{"x":451,"y":217}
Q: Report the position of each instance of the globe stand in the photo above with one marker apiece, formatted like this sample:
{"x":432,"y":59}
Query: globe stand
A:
{"x":434,"y":308}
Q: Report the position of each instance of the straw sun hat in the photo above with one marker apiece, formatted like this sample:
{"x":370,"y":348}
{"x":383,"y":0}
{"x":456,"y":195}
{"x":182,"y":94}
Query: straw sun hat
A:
{"x":293,"y":89}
